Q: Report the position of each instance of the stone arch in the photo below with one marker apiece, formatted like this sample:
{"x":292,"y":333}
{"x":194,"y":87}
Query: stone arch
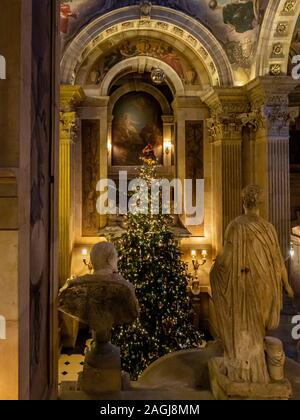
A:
{"x":133,"y":65}
{"x":276,"y":37}
{"x":187,"y":30}
{"x":139,"y":87}
{"x":204,"y":79}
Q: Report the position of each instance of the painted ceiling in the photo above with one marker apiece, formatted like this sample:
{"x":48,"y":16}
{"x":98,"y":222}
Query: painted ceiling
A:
{"x":295,"y":46}
{"x":236,"y":23}
{"x":235,"y":17}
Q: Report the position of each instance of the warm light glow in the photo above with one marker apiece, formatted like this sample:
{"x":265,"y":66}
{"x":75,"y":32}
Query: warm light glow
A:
{"x":109,"y":147}
{"x":167,"y":146}
{"x":204,"y":253}
{"x":292,"y":250}
{"x":84,"y":252}
{"x":194,"y":253}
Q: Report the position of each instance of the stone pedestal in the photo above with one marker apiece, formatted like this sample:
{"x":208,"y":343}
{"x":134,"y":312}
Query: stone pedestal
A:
{"x":102,"y":370}
{"x":224,"y":389}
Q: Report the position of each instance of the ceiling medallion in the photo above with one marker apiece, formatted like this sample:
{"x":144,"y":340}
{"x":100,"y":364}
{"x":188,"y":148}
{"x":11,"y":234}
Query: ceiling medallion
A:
{"x":158,"y":76}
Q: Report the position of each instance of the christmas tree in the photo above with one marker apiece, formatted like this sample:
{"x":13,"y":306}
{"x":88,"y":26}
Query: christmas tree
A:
{"x":150,"y":259}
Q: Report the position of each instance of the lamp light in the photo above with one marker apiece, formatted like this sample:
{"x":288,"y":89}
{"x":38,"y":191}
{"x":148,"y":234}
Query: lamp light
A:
{"x":158,"y":76}
{"x":109,"y":147}
{"x":85,"y":259}
{"x":194,"y":284}
{"x":167,"y":147}
{"x":196,"y":263}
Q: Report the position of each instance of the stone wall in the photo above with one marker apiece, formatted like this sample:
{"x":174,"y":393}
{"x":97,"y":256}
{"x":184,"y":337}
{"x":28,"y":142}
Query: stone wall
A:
{"x":27,"y":133}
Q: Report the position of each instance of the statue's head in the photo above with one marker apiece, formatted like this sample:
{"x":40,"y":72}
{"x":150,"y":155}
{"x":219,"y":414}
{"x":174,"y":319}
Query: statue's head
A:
{"x":252,"y":197}
{"x":104,"y":256}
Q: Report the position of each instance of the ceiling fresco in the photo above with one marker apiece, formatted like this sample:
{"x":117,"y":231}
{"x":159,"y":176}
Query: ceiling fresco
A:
{"x":236,"y":23}
{"x":295,"y":45}
{"x":143,"y":47}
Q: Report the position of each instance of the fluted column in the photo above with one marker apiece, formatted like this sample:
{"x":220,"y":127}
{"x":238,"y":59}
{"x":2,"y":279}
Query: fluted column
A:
{"x":70,"y":97}
{"x":225,"y":127}
{"x":270,"y":102}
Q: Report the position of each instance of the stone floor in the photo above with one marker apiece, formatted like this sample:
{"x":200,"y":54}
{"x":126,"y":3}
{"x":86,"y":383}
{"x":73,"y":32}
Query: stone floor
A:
{"x":178,"y":376}
{"x":69,"y":367}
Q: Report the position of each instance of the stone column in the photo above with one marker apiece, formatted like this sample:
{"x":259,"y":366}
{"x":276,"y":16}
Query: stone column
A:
{"x":270,"y":103}
{"x":225,"y":127}
{"x":70,"y":97}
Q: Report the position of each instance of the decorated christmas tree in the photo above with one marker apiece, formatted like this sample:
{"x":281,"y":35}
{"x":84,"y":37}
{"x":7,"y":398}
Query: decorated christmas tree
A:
{"x":150,"y":259}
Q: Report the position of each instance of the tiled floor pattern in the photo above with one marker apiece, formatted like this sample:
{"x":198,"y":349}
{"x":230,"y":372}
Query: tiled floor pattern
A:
{"x":69,"y":367}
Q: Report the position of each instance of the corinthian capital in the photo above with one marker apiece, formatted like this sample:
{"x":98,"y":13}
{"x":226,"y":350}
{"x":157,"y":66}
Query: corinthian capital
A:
{"x":68,"y":126}
{"x":270,"y":102}
{"x":226,"y":106}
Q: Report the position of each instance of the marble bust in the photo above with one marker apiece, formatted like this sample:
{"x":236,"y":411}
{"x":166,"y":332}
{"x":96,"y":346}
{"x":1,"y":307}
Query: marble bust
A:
{"x":101,"y":300}
{"x":247,"y":282}
{"x":91,"y":297}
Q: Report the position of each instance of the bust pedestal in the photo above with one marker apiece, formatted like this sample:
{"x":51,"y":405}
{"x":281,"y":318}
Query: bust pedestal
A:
{"x":102,"y":370}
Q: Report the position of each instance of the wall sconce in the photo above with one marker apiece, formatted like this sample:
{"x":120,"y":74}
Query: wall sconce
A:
{"x":86,"y":260}
{"x":167,"y":147}
{"x":194,"y":284}
{"x":196,"y":263}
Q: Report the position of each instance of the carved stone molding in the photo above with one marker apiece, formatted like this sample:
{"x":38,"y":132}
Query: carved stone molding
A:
{"x":270,"y":102}
{"x":252,"y":120}
{"x":70,"y":97}
{"x":68,"y":126}
{"x":226,"y":106}
{"x":145,"y":9}
{"x":225,"y":129}
{"x":290,"y":7}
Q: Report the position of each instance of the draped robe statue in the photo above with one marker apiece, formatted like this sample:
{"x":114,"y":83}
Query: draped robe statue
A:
{"x":247,"y":281}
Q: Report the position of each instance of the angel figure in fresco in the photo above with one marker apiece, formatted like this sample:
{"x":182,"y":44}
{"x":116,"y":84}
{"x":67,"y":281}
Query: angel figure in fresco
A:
{"x":65,"y":15}
{"x":240,"y":15}
{"x":171,"y":58}
{"x":127,"y":50}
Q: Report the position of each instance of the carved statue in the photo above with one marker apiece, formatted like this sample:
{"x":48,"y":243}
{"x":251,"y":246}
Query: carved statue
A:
{"x":247,"y":281}
{"x":275,"y":358}
{"x":145,"y":7}
{"x":101,"y":300}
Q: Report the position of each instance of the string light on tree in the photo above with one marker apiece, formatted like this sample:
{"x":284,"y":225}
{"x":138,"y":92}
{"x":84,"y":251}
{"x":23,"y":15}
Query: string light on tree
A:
{"x":150,"y":258}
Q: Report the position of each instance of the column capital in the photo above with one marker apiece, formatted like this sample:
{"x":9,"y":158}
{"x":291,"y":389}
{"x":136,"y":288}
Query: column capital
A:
{"x":68,"y":127}
{"x":269,"y":97}
{"x":227,"y":106}
{"x":226,"y":102}
{"x":168,"y":119}
{"x":270,"y":89}
{"x":70,"y":97}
